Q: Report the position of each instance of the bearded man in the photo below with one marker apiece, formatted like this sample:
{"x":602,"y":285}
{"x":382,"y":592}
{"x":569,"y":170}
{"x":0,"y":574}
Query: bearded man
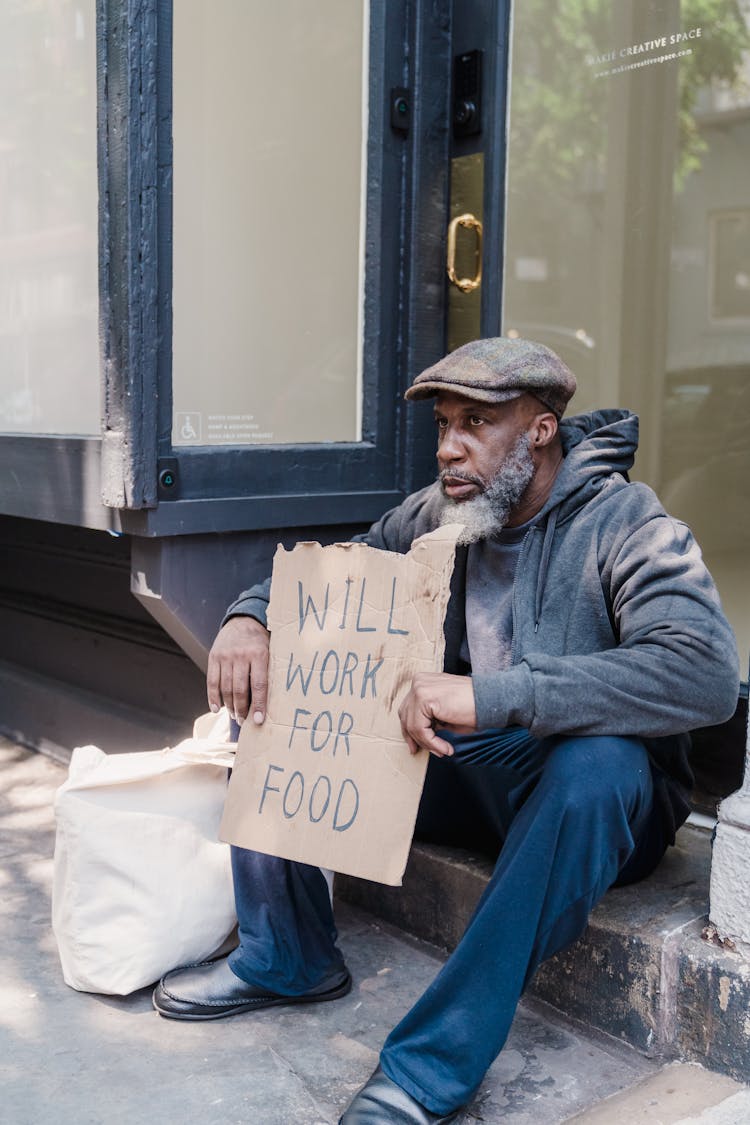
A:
{"x":584,"y":638}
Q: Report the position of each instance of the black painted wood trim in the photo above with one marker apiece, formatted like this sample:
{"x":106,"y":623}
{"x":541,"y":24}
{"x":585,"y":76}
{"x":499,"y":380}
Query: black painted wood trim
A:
{"x":128,"y":248}
{"x":495,"y":167}
{"x":256,"y":513}
{"x":51,"y":477}
{"x":426,"y":194}
{"x":328,"y":472}
{"x":57,"y":479}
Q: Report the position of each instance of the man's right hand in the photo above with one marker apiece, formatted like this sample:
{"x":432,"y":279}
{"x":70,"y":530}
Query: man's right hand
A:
{"x":238,"y":668}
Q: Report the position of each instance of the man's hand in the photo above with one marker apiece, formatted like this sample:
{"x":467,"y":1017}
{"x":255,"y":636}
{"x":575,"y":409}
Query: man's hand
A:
{"x":437,"y":699}
{"x":238,"y":666}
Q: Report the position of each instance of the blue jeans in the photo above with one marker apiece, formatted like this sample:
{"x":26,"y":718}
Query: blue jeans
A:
{"x":569,"y":817}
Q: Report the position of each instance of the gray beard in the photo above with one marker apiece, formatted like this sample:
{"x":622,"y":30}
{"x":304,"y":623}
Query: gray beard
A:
{"x":489,"y":512}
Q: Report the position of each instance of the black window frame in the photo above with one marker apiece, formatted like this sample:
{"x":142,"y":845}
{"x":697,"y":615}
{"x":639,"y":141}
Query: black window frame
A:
{"x":222,"y":488}
{"x":307,"y":483}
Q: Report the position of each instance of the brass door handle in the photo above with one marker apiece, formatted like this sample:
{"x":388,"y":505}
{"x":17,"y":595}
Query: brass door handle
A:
{"x":465,"y":284}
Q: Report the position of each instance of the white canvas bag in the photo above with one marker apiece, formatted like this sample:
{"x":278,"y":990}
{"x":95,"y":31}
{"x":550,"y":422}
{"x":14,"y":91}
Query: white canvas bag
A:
{"x":141,"y":882}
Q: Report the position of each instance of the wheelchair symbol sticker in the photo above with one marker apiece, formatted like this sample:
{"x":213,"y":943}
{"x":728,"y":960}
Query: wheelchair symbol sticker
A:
{"x":189,"y":427}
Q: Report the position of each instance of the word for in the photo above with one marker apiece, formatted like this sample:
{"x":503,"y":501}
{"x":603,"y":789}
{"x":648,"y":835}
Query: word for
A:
{"x":322,"y":728}
{"x":312,"y":802}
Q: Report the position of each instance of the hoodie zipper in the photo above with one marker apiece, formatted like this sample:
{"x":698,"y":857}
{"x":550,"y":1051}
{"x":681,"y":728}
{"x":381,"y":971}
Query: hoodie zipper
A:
{"x":549,"y":533}
{"x":514,"y":607}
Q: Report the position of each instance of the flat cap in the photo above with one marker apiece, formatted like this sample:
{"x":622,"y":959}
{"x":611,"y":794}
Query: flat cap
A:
{"x":497,"y":370}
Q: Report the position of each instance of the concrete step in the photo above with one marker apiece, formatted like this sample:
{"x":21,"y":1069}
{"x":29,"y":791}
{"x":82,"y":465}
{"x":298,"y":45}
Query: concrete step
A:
{"x":642,"y":972}
{"x":676,"y":1094}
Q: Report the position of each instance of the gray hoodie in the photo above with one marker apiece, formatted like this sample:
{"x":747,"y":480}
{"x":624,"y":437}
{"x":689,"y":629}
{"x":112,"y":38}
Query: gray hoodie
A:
{"x":617,"y":625}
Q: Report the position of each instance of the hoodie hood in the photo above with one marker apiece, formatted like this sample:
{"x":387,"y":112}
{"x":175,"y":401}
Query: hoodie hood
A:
{"x":595,"y":445}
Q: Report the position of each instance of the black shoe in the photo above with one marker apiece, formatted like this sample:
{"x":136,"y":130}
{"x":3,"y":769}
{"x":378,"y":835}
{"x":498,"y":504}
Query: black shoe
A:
{"x":382,"y":1102}
{"x":211,"y":990}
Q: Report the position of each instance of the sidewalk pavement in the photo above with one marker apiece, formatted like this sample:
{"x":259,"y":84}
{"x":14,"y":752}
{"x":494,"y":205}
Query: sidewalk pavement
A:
{"x":97,"y":1060}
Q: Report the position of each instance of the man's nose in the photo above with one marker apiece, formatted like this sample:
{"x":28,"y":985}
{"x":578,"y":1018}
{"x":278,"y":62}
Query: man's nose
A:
{"x":451,"y":447}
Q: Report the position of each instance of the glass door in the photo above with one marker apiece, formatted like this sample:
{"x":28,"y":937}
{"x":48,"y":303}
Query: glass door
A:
{"x":628,"y":239}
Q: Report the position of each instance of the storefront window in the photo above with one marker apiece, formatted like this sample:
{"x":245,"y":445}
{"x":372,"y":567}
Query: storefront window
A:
{"x":628,"y":239}
{"x":49,"y":351}
{"x":269,"y":105}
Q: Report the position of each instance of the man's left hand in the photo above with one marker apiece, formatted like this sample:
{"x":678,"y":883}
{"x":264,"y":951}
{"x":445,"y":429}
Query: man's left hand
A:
{"x":437,"y":699}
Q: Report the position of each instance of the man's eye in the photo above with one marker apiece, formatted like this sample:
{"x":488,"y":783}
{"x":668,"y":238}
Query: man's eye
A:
{"x":441,"y":423}
{"x":476,"y":420}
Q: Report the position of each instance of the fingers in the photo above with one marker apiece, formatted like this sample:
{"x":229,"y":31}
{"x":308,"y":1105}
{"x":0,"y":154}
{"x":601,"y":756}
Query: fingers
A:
{"x":238,"y":668}
{"x":421,"y":736}
{"x":213,"y":682}
{"x":440,"y":748}
{"x":428,"y":740}
{"x":259,"y":686}
{"x":437,"y":699}
{"x":240,"y":688}
{"x":417,"y":715}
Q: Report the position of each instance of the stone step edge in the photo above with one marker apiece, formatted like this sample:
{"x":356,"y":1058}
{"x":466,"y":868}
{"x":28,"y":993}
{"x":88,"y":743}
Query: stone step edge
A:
{"x":643,"y":974}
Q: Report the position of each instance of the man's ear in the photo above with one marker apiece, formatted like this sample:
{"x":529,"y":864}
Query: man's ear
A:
{"x":543,"y":429}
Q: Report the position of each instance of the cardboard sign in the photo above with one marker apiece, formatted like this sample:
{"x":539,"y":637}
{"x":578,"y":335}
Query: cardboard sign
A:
{"x":328,"y":779}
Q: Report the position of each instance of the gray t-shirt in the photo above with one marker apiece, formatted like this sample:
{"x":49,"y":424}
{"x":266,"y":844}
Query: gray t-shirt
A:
{"x":490,"y":571}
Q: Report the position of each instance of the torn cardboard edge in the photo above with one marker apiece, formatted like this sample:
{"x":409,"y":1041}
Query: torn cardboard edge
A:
{"x":328,"y":779}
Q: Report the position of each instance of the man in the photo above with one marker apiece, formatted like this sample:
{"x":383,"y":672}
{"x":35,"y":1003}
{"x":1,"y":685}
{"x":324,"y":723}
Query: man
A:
{"x":584,"y":637}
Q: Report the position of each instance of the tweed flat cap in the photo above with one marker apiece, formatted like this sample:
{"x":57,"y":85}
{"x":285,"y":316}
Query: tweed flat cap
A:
{"x":497,"y":370}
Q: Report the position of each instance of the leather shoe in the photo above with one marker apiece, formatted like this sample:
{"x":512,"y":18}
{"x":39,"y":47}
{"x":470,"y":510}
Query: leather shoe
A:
{"x":210,"y":990}
{"x":382,"y":1102}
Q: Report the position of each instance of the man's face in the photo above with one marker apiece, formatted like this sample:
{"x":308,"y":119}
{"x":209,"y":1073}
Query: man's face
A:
{"x":474,"y":439}
{"x":484,"y":460}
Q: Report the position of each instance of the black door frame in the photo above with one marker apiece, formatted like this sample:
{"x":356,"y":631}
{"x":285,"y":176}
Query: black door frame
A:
{"x":232,"y":488}
{"x":221,"y":489}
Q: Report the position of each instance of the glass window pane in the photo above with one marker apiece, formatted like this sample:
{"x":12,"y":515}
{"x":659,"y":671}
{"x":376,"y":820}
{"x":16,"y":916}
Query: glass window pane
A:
{"x":268,"y":151}
{"x":49,"y":344}
{"x":628,"y":244}
{"x":730,"y":266}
